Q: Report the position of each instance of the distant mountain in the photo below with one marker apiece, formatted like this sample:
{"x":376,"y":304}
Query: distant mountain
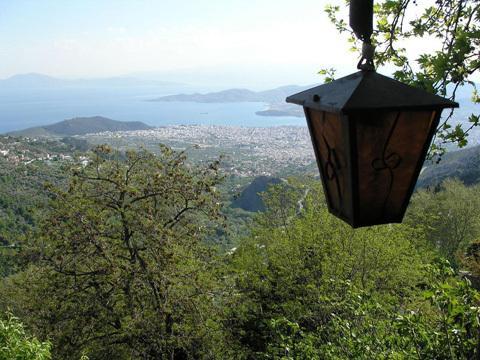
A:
{"x":30,"y":80}
{"x":237,"y":95}
{"x":250,"y":199}
{"x":462,"y":164}
{"x":81,"y":126}
{"x":40,"y":81}
{"x":274,"y":97}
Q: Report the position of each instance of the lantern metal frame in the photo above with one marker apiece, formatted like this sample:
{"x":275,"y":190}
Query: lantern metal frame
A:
{"x":365,"y":92}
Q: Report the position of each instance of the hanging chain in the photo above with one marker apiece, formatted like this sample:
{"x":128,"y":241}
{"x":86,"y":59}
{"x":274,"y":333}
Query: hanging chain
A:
{"x":361,"y":22}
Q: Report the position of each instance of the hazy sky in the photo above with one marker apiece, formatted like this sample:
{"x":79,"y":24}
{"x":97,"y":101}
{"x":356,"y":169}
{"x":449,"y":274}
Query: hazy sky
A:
{"x":242,"y":42}
{"x":90,"y":38}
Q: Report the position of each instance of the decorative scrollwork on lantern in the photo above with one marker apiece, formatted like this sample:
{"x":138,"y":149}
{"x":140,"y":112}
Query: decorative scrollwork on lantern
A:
{"x":331,"y":166}
{"x":388,"y":162}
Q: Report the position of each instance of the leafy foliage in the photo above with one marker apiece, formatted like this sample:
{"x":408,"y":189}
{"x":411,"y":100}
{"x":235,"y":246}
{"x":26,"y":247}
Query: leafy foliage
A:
{"x":297,"y":265}
{"x":120,"y":265}
{"x":445,"y":327}
{"x":16,"y":345}
{"x":22,"y":191}
{"x":117,"y":268}
{"x":450,"y":217}
{"x":452,"y":26}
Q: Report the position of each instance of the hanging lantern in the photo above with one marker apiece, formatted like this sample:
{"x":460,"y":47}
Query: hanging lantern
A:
{"x":370,"y":135}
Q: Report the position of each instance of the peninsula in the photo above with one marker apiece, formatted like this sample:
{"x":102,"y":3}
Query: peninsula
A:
{"x":274,"y":98}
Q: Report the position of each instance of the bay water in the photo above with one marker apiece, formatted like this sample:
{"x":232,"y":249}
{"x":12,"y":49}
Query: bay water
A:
{"x":24,"y":108}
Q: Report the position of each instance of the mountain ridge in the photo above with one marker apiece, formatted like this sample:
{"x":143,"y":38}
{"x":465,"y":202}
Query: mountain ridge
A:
{"x":461,"y":164}
{"x":38,"y":80}
{"x":236,"y":95}
{"x":275,"y":98}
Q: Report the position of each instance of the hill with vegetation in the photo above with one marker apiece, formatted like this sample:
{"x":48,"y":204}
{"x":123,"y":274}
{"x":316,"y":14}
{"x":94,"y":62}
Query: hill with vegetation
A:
{"x":25,"y":167}
{"x":81,"y":126}
{"x":275,"y":98}
{"x":124,"y":246}
{"x":236,"y":95}
{"x":250,"y":198}
{"x":462,"y":164}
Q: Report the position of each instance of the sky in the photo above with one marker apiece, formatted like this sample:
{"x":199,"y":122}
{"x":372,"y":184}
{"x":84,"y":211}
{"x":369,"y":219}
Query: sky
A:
{"x":256,"y":43}
{"x":102,"y":38}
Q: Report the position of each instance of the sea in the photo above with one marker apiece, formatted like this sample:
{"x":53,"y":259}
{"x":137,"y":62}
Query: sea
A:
{"x":24,"y":108}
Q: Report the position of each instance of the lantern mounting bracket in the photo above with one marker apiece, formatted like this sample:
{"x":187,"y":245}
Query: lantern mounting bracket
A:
{"x":366,"y":61}
{"x":361,"y":22}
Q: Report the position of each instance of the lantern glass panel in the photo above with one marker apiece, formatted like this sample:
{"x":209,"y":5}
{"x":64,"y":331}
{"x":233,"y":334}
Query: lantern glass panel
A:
{"x":389,"y":149}
{"x":331,"y":149}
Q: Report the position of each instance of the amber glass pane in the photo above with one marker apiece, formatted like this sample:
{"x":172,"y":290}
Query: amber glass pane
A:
{"x":389,"y":148}
{"x":327,"y":132}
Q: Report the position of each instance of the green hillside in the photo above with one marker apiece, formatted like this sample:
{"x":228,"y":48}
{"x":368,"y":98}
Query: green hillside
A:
{"x":25,"y":167}
{"x":250,"y":198}
{"x":140,"y":233}
{"x":81,"y":126}
{"x":462,"y":164}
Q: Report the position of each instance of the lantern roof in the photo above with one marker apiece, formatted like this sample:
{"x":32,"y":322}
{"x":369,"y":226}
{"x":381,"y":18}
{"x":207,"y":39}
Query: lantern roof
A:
{"x":368,"y":90}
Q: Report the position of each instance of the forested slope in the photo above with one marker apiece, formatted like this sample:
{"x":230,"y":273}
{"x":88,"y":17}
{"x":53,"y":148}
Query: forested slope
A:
{"x":462,"y":164}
